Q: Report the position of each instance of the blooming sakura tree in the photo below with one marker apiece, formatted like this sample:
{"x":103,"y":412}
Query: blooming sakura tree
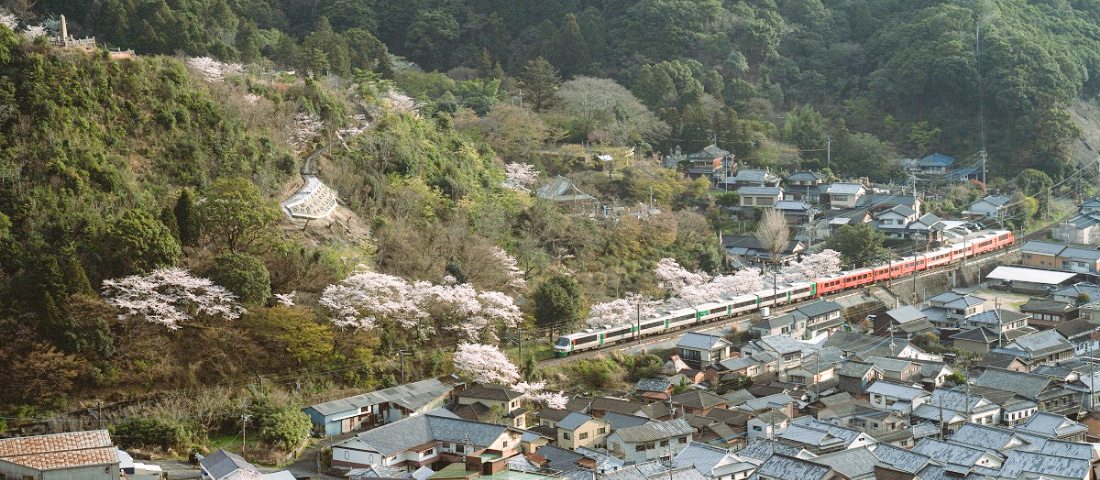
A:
{"x":744,"y":281}
{"x":520,"y":175}
{"x":306,"y":128}
{"x":366,"y":298}
{"x":8,"y":20}
{"x":820,"y":264}
{"x":672,"y":278}
{"x":34,"y":31}
{"x":286,"y":299}
{"x":169,"y":297}
{"x":485,"y":364}
{"x":516,"y":278}
{"x":622,"y":311}
{"x":213,"y":70}
{"x":357,"y":126}
{"x":536,"y":393}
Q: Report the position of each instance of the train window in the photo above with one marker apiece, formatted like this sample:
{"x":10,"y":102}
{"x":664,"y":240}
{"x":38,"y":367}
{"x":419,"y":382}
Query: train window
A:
{"x":590,"y":338}
{"x":563,"y":342}
{"x":652,"y":325}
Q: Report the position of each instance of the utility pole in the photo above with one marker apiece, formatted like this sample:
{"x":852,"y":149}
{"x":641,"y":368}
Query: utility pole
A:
{"x":244,"y":433}
{"x":829,"y":152}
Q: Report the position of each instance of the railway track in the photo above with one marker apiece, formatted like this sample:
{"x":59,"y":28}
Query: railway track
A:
{"x":741,"y":319}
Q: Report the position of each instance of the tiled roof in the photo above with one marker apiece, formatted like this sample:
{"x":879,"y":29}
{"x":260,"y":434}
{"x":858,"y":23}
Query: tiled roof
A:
{"x":804,"y":176}
{"x":895,"y":390}
{"x":701,"y":341}
{"x":573,"y":421}
{"x":761,"y":449}
{"x":1043,"y":465}
{"x":819,"y":308}
{"x":410,"y":432}
{"x":900,"y":459}
{"x":1041,"y":343}
{"x":890,"y":364}
{"x":937,"y":160}
{"x":1042,"y":248}
{"x":553,"y":414}
{"x":652,"y":385}
{"x":752,"y":175}
{"x":655,"y":430}
{"x":854,"y":463}
{"x":224,"y":465}
{"x":1075,"y":327}
{"x":979,"y":334}
{"x":60,"y":450}
{"x":905,"y":314}
{"x":949,"y":452}
{"x":1050,"y":425}
{"x":412,"y":396}
{"x":1026,"y":384}
{"x":698,"y":399}
{"x":845,"y":188}
{"x":759,"y":191}
{"x":622,"y":420}
{"x":781,"y":467}
{"x":783,"y":344}
{"x":491,"y":392}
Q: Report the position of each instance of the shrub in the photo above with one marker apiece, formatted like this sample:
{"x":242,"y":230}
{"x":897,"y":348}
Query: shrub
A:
{"x":154,"y":432}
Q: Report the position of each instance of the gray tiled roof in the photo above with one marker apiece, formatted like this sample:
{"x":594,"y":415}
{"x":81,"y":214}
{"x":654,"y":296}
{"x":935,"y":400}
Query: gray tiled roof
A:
{"x":410,"y":432}
{"x":698,"y":399}
{"x":573,"y":421}
{"x":949,"y":452}
{"x":783,"y":344}
{"x":1041,"y":343}
{"x":813,"y":437}
{"x":845,"y":188}
{"x":854,"y":369}
{"x":1042,"y":248}
{"x":778,"y":322}
{"x":1046,"y":424}
{"x":706,"y":458}
{"x":855,"y":463}
{"x":1027,"y":385}
{"x":781,"y":467}
{"x":900,"y":459}
{"x":738,"y":397}
{"x":761,"y":449}
{"x":1043,"y":465}
{"x":652,"y":385}
{"x":1046,"y":446}
{"x":221,"y":464}
{"x":894,"y":390}
{"x":819,"y":308}
{"x":553,"y":414}
{"x":759,"y":191}
{"x":622,"y":420}
{"x":804,"y":176}
{"x":701,"y":341}
{"x":1078,"y":253}
{"x":559,"y":458}
{"x":655,"y":430}
{"x":997,"y":316}
{"x":848,"y":435}
{"x":412,"y":396}
{"x":985,"y":436}
{"x":905,"y":314}
{"x":491,"y":392}
{"x":863,"y":346}
{"x":889,"y":364}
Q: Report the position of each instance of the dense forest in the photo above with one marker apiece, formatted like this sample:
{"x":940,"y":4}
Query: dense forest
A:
{"x":165,"y":170}
{"x":881,"y":77}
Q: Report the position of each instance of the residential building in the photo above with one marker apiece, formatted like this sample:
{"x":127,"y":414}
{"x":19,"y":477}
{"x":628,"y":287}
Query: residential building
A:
{"x":905,"y":322}
{"x":1049,"y":394}
{"x":949,"y":309}
{"x":783,"y":467}
{"x":1091,"y":205}
{"x":898,"y":370}
{"x":886,"y":395}
{"x":653,"y":440}
{"x":1047,"y":347}
{"x":766,"y":424}
{"x":1078,"y":293}
{"x":700,"y":350}
{"x":806,"y":187}
{"x":475,"y":403}
{"x":713,"y":463}
{"x":819,"y":437}
{"x":1082,"y":229}
{"x":797,"y":212}
{"x":821,"y":317}
{"x":935,"y":164}
{"x":894,"y":222}
{"x":786,"y":350}
{"x":654,"y":389}
{"x":222,"y":465}
{"x":1057,"y":427}
{"x":422,"y":440}
{"x":950,"y":408}
{"x":88,"y":455}
{"x":765,"y":197}
{"x":751,"y":177}
{"x":928,"y":227}
{"x":875,"y":203}
{"x":377,"y":408}
{"x":1048,"y":313}
{"x":845,"y":195}
{"x":698,"y":402}
{"x":711,"y":163}
{"x":582,"y":430}
{"x":856,"y":376}
{"x":992,"y":206}
{"x":792,"y":324}
{"x":1072,"y":258}
{"x":956,"y":454}
{"x":1083,"y":334}
{"x":748,"y":248}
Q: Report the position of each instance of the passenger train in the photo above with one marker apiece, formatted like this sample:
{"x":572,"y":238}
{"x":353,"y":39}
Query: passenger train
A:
{"x":729,"y":306}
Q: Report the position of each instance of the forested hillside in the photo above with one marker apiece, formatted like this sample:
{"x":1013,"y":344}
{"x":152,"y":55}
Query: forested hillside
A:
{"x":899,"y":72}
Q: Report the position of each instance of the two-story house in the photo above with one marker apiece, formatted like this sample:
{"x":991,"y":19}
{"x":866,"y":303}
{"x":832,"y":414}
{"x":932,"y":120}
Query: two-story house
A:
{"x":992,"y":206}
{"x":474,"y":403}
{"x":653,"y":440}
{"x":751,"y":177}
{"x":935,"y":164}
{"x":805,"y":187}
{"x":580,"y":430}
{"x":787,"y":351}
{"x":845,"y":195}
{"x":1047,"y":347}
{"x":1082,"y":229}
{"x":886,"y":395}
{"x":822,"y":317}
{"x":700,"y":350}
{"x":764,"y":197}
{"x":949,"y":309}
{"x":897,"y":370}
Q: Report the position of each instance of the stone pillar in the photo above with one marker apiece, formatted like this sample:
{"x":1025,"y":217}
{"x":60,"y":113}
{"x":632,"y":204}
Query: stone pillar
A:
{"x":64,"y":32}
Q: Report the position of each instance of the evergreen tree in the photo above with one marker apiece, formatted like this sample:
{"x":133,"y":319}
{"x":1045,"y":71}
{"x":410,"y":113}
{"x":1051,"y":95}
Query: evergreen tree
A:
{"x":571,"y":50}
{"x":187,"y":220}
{"x":76,"y":279}
{"x":539,"y":81}
{"x":557,"y":303}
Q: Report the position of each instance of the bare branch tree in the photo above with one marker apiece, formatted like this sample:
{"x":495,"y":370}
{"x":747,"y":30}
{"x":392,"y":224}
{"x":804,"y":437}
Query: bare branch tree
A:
{"x":773,"y":233}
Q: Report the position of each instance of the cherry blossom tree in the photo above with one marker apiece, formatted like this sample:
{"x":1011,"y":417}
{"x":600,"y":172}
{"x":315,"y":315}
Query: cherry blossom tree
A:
{"x":672,"y":277}
{"x":520,"y":175}
{"x":535,"y":392}
{"x":367,"y":298}
{"x":485,"y":364}
{"x":34,"y":31}
{"x":213,"y":70}
{"x":286,"y":299}
{"x":306,"y":128}
{"x":170,"y":297}
{"x":516,"y":278}
{"x":8,"y":20}
{"x":622,"y":311}
{"x":813,"y":266}
{"x":744,"y":281}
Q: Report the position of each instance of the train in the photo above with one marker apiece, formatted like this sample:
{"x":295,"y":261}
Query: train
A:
{"x":977,"y":243}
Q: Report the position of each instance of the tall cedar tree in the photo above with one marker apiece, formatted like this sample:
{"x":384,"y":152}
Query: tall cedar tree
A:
{"x":187,"y":220}
{"x":557,"y":302}
{"x":539,"y":81}
{"x":570,"y":49}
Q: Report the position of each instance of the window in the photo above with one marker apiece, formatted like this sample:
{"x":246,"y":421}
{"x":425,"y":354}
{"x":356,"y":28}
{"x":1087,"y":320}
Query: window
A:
{"x":639,"y":448}
{"x":683,"y":440}
{"x":664,"y":443}
{"x":583,"y":436}
{"x":565,"y":435}
{"x":601,"y":430}
{"x":505,"y":445}
{"x":429,"y":452}
{"x":446,"y":445}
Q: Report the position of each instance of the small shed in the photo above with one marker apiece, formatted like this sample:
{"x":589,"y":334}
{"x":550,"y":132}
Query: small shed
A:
{"x":1029,"y":280}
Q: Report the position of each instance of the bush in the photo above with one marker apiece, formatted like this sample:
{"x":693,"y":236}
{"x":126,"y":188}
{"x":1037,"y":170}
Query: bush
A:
{"x":154,"y":432}
{"x":244,"y":275}
{"x":288,"y":428}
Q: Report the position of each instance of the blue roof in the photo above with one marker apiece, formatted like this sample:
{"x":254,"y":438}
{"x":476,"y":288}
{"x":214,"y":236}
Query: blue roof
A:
{"x":937,"y":160}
